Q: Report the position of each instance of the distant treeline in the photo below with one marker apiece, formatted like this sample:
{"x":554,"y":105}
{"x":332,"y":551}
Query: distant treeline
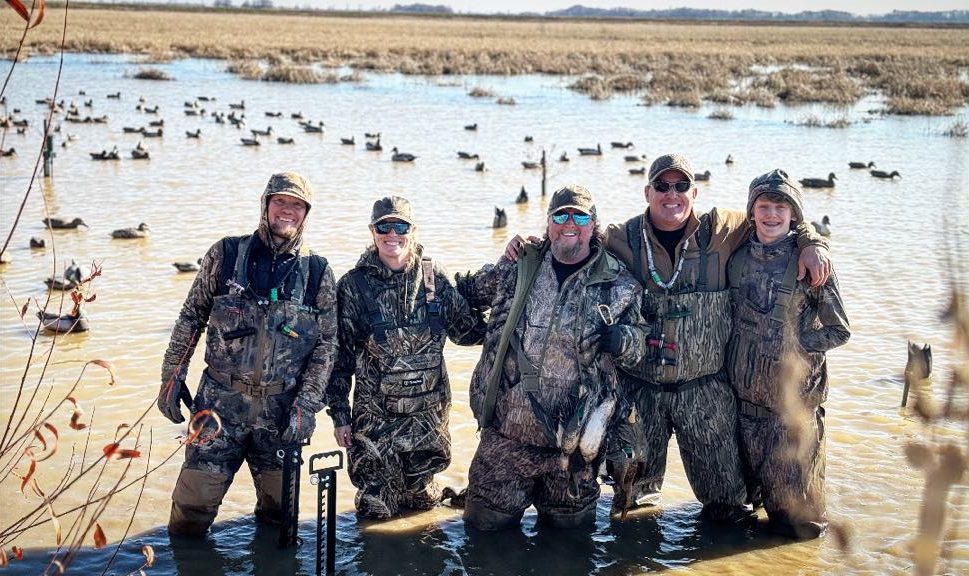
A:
{"x":896,"y":16}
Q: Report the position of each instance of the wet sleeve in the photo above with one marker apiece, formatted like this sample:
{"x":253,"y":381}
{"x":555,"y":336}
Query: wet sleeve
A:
{"x":808,"y":236}
{"x":193,"y":317}
{"x":338,"y":389}
{"x":480,"y":288}
{"x":465,"y":325}
{"x":634,"y":330}
{"x":834,"y":330}
{"x":320,"y":364}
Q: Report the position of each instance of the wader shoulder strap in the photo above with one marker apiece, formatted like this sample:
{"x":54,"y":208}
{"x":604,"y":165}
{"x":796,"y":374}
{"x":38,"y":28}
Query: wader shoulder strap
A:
{"x":527,"y":271}
{"x":433,"y":305}
{"x":736,"y":267}
{"x":317,"y":266}
{"x":703,"y":243}
{"x":230,"y":255}
{"x":634,"y":233}
{"x":371,"y":309}
{"x":785,"y":290}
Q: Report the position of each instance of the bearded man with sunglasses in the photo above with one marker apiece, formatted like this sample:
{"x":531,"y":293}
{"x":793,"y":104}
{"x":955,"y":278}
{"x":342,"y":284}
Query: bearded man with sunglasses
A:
{"x":396,"y":309}
{"x":679,"y":384}
{"x":562,"y":317}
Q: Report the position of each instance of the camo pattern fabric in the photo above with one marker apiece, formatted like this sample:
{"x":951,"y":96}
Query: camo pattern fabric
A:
{"x":401,"y":396}
{"x":545,"y":416}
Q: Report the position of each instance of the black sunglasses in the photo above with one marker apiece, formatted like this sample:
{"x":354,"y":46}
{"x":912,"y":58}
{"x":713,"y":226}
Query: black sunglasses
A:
{"x":681,"y":187}
{"x":401,"y":228}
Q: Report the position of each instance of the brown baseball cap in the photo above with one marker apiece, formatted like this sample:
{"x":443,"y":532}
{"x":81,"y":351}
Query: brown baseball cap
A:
{"x":290,"y":184}
{"x":778,"y":182}
{"x":391,"y":207}
{"x":671,"y":162}
{"x":572,"y":196}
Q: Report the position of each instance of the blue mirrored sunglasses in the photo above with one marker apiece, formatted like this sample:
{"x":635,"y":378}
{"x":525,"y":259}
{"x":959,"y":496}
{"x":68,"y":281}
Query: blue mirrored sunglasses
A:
{"x":401,"y":228}
{"x":577,"y":217}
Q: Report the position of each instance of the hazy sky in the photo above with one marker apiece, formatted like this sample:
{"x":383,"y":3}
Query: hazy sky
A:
{"x":483,"y":6}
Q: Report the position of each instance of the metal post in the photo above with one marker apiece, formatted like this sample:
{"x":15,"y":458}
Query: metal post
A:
{"x":325,"y":480}
{"x":544,"y":172}
{"x":48,"y":151}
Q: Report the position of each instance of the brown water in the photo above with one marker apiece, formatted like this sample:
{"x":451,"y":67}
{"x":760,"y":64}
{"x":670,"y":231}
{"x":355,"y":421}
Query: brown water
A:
{"x":890,"y":244}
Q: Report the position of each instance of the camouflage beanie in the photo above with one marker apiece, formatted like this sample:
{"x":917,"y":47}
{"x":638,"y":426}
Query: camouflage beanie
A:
{"x":778,"y":182}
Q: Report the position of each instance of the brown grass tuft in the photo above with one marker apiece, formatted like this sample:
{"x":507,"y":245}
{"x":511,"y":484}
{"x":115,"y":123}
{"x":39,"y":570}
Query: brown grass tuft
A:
{"x":151,"y":74}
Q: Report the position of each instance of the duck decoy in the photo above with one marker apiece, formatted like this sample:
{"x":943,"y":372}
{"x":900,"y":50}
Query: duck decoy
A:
{"x":113,"y":154}
{"x":132,"y":130}
{"x":402,"y":156}
{"x":638,"y":171}
{"x":267,"y":132}
{"x":702,"y":176}
{"x":823,"y":227}
{"x":89,"y":103}
{"x":564,"y":157}
{"x":140,"y":146}
{"x":274,"y":114}
{"x":196,"y":134}
{"x":9,"y":152}
{"x":374,"y":146}
{"x":284,"y":140}
{"x":529,"y":139}
{"x":467,"y":155}
{"x":530,"y":165}
{"x":153,"y":133}
{"x":152,"y":110}
{"x":250,"y":141}
{"x":348,"y":141}
{"x":633,"y":158}
{"x":522,"y":197}
{"x":296,"y":115}
{"x":63,"y":323}
{"x":626,"y":145}
{"x":131,"y":233}
{"x":62,"y":224}
{"x":819,"y":182}
{"x":21,"y":131}
{"x":312,"y":128}
{"x":597,"y":151}
{"x":480,"y":167}
{"x":187,"y":266}
{"x":886,"y":175}
{"x":115,"y":96}
{"x":139,"y":154}
{"x":729,"y":159}
{"x":372,"y":134}
{"x":195,"y":112}
{"x":471,"y":127}
{"x":100,"y":119}
{"x":206,"y":98}
{"x":21,"y":123}
{"x":240,"y":106}
{"x":861,"y":165}
{"x":501,"y":219}
{"x":72,"y":277}
{"x":157,"y":123}
{"x":36,"y":242}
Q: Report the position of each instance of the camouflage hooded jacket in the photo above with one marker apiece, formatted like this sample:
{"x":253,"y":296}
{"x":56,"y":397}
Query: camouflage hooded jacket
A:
{"x":553,"y":339}
{"x":304,"y":361}
{"x":403,"y":371}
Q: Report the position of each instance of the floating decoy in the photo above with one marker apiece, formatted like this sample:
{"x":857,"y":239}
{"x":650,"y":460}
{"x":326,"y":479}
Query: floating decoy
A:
{"x":296,"y":115}
{"x":886,"y":175}
{"x":240,"y":106}
{"x":467,"y":156}
{"x":21,"y":131}
{"x":861,"y":165}
{"x":626,"y":145}
{"x":267,"y":132}
{"x":374,"y":146}
{"x":140,"y":146}
{"x":195,"y":112}
{"x":206,"y":98}
{"x":89,"y":103}
{"x":187,"y":266}
{"x":113,"y":154}
{"x":72,"y":277}
{"x":480,"y":167}
{"x":471,"y":127}
{"x":729,"y":159}
{"x":284,"y":140}
{"x":633,"y":158}
{"x":530,"y":165}
{"x":139,"y":154}
{"x":157,"y":123}
{"x":372,"y":134}
{"x":115,"y":96}
{"x":638,"y":171}
{"x":38,"y":242}
{"x":62,"y":224}
{"x":132,"y":130}
{"x":250,"y":141}
{"x":100,"y":119}
{"x":131,"y":233}
{"x":22,"y":123}
{"x":823,"y":227}
{"x":219,"y":117}
{"x":597,"y":151}
{"x":152,"y":110}
{"x":196,"y":134}
{"x":529,"y":139}
{"x":274,"y":114}
{"x":819,"y":182}
{"x":9,"y":152}
{"x":702,"y":176}
{"x":313,"y":128}
{"x":71,"y":137}
{"x":348,"y":141}
{"x":153,"y":133}
{"x":402,"y":156}
{"x":564,"y":157}
{"x":63,"y":323}
{"x":501,"y":219}
{"x":522,"y":197}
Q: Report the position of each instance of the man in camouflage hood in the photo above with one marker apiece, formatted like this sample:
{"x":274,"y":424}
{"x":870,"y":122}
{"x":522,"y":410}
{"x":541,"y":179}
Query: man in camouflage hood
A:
{"x":396,"y":309}
{"x":545,"y":386}
{"x":268,"y":306}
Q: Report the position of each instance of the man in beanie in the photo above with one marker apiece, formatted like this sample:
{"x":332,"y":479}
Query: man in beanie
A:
{"x":268,"y":306}
{"x":397,"y":307}
{"x":562,"y":317}
{"x":781,"y":329}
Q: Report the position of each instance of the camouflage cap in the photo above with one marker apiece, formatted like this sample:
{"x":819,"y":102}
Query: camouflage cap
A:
{"x":572,"y":196}
{"x":778,"y":182}
{"x":290,"y":184}
{"x":391,"y":207}
{"x":671,"y":162}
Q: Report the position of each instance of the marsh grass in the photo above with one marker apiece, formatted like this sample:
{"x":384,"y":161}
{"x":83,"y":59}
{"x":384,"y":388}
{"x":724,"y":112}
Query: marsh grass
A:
{"x":295,"y":74}
{"x":917,"y":69}
{"x":151,"y":74}
{"x":958,"y":130}
{"x":721,"y":114}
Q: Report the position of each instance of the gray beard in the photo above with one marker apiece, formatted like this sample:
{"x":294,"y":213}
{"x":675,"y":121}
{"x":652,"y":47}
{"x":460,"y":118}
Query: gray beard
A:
{"x":566,"y":255}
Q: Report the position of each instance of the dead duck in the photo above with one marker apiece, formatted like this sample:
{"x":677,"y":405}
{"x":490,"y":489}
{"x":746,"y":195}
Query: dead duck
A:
{"x":522,"y":197}
{"x":36,"y":242}
{"x":597,"y":151}
{"x":197,"y":134}
{"x":480,"y":167}
{"x":702,"y":176}
{"x":62,"y":224}
{"x":501,"y":219}
{"x":187,"y":266}
{"x":626,"y":145}
{"x":131,"y":233}
{"x":471,"y":127}
{"x":886,"y":175}
{"x":351,"y":141}
{"x":823,"y":227}
{"x":374,"y":146}
{"x":63,"y":323}
{"x":638,"y":171}
{"x":530,"y":165}
{"x":402,"y":156}
{"x":819,"y":182}
{"x":861,"y":165}
{"x":284,"y":140}
{"x":467,"y":155}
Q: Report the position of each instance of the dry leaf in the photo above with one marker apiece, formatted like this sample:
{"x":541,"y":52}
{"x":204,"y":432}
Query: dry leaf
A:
{"x":26,"y":477}
{"x":58,"y":535}
{"x":149,"y":553}
{"x":76,"y":416}
{"x":100,"y":541}
{"x":23,"y":311}
{"x":107,"y":365}
{"x":197,"y":425}
{"x":113,"y":452}
{"x":18,"y":552}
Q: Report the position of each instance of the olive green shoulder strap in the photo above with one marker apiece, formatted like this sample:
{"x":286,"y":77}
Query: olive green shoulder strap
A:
{"x":785,"y":290}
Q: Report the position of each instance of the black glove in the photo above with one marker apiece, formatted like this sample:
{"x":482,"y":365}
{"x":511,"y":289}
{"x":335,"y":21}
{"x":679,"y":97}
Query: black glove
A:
{"x":302,"y":423}
{"x":610,"y":339}
{"x":169,"y":399}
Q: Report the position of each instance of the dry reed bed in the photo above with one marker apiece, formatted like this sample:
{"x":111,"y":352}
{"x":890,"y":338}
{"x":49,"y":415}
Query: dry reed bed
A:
{"x":675,"y":63}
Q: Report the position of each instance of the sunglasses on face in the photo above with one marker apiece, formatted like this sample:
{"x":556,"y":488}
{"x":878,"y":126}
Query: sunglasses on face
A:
{"x":680,"y":187}
{"x":577,"y":217}
{"x":401,"y":228}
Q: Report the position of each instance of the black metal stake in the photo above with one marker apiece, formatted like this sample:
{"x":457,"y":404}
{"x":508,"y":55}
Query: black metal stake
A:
{"x":325,"y":480}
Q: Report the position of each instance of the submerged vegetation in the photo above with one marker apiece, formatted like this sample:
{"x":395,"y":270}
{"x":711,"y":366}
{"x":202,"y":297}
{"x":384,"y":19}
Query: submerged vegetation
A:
{"x":919,"y":71}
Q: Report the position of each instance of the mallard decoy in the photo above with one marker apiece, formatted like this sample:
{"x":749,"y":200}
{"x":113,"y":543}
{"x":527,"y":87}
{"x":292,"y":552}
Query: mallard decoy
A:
{"x":140,"y":146}
{"x":702,"y":176}
{"x":115,"y":96}
{"x":240,"y":106}
{"x":530,"y":165}
{"x":113,"y":154}
{"x":38,"y":242}
{"x":187,"y":266}
{"x":564,"y":157}
{"x":154,"y":133}
{"x":296,"y":115}
{"x":819,"y":182}
{"x":522,"y":197}
{"x":9,"y":152}
{"x":501,"y":219}
{"x":471,"y":127}
{"x":467,"y":156}
{"x":157,"y":123}
{"x":137,"y":154}
{"x":152,"y":110}
{"x":634,"y":158}
{"x":480,"y":167}
{"x":284,"y":140}
{"x":63,"y":323}
{"x":372,"y":134}
{"x":729,"y":159}
{"x":197,"y":134}
{"x":72,"y":277}
{"x":626,"y":145}
{"x":206,"y":98}
{"x":250,"y":141}
{"x":131,"y":233}
{"x":348,"y":141}
{"x":61,"y":224}
{"x":313,"y":128}
{"x":861,"y":165}
{"x":638,"y":171}
{"x":195,"y":112}
{"x":823,"y":227}
{"x":274,"y":114}
{"x":402,"y":156}
{"x":267,"y":132}
{"x":529,"y":139}
{"x":132,"y":129}
{"x":886,"y":175}
{"x":597,"y":151}
{"x":374,"y":146}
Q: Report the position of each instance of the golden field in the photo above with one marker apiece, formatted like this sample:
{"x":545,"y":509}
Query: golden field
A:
{"x":920,"y":70}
